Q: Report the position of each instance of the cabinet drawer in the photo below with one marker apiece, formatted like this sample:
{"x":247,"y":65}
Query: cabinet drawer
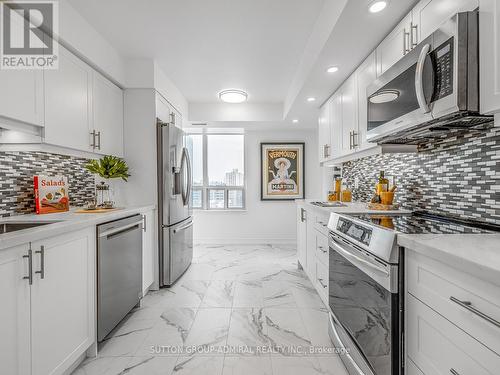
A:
{"x":321,"y":222}
{"x":444,"y":288}
{"x":322,"y":248}
{"x":439,"y":347}
{"x":321,"y":282}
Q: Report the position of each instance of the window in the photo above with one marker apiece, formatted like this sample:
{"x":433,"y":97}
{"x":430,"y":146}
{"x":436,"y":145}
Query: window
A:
{"x":218,"y":171}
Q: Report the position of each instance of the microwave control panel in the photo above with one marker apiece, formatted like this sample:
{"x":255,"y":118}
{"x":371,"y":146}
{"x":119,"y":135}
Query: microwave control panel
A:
{"x":443,"y":60}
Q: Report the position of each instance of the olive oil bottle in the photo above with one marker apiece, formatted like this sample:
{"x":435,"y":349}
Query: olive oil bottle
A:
{"x":383,"y":183}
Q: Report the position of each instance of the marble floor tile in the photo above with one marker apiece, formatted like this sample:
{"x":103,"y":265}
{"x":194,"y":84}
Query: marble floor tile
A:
{"x":248,"y":329}
{"x":296,"y":366}
{"x":247,"y":366}
{"x":199,"y":365}
{"x":168,"y":336}
{"x":150,"y":366}
{"x":220,"y":293}
{"x":102,"y":366}
{"x":248,"y":294}
{"x":316,"y":322}
{"x":278,"y":294}
{"x":185,"y":293}
{"x":210,"y":328}
{"x":126,"y":338}
{"x":306,"y":296}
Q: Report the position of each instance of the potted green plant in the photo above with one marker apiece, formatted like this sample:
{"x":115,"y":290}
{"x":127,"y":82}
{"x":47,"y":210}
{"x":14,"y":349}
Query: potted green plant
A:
{"x":108,"y":168}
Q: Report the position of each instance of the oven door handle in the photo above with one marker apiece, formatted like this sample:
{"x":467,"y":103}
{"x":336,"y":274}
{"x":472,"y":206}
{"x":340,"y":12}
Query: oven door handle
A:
{"x":419,"y":79}
{"x":354,"y":258}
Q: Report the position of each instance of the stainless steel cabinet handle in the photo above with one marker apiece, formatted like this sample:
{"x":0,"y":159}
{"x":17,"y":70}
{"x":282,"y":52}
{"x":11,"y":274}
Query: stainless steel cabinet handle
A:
{"x":413,"y":40}
{"x":406,"y":42}
{"x":453,"y":371}
{"x":118,"y":230}
{"x":98,"y":140}
{"x":419,"y":79}
{"x":92,"y":144}
{"x":320,"y":281}
{"x":303,"y":215}
{"x":354,"y":140}
{"x":29,"y":256}
{"x":42,"y":262}
{"x":144,"y":223}
{"x":468,"y":305}
{"x":172,"y":118}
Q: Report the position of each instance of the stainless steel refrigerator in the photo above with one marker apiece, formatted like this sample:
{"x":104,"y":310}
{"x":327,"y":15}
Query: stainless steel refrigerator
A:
{"x":174,"y":194}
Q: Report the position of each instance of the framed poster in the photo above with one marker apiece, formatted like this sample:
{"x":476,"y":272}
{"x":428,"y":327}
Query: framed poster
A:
{"x":282,"y":174}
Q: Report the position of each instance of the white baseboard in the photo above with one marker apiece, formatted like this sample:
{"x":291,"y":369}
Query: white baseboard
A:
{"x":245,"y":241}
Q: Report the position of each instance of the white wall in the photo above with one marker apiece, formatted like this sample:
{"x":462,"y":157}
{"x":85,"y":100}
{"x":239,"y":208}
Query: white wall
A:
{"x":268,"y":221}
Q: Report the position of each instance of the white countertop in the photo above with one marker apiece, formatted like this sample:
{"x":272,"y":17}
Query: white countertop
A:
{"x":64,"y":222}
{"x":477,"y":254}
{"x":350,"y":208}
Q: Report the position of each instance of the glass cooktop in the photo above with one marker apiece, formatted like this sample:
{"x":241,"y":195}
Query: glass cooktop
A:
{"x":421,"y":222}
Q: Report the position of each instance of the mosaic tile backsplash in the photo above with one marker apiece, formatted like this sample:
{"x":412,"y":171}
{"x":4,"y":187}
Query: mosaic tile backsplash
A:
{"x":457,"y":176}
{"x":16,"y":179}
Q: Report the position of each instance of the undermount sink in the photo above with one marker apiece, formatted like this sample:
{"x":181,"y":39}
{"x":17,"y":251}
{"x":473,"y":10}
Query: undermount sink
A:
{"x":13,"y":226}
{"x":329,"y":204}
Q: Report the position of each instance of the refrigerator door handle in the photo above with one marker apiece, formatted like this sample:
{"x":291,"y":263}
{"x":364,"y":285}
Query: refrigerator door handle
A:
{"x":190,"y":177}
{"x":185,"y":166}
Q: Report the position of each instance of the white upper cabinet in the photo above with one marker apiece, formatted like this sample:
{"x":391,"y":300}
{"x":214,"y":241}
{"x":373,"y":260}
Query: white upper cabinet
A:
{"x":68,"y":103}
{"x":349,"y":127}
{"x":394,"y":46}
{"x":15,"y":312}
{"x":324,"y":132}
{"x":335,"y":125}
{"x":365,"y":75}
{"x":428,"y":15}
{"x":21,"y":96}
{"x":107,"y":106}
{"x":489,"y":50}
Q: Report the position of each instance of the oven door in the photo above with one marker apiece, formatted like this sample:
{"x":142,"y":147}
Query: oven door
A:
{"x":365,"y":313}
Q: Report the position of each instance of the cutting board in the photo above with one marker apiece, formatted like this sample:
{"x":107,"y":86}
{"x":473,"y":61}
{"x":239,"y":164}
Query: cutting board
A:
{"x":97,"y":211}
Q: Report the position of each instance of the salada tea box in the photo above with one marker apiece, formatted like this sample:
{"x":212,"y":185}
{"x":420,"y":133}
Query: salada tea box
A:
{"x":51,"y":194}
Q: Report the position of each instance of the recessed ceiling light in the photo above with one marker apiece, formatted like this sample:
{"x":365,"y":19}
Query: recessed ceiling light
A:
{"x":377,"y":6}
{"x":311,"y":99}
{"x":385,"y":96}
{"x":332,"y":69}
{"x":233,"y":96}
{"x":295,"y":121}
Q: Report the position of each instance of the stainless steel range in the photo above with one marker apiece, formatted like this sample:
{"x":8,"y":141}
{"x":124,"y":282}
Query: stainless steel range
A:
{"x":366,"y":284}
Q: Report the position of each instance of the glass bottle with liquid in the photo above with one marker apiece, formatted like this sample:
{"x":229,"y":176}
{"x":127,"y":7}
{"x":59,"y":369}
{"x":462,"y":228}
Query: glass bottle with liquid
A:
{"x":383,"y":183}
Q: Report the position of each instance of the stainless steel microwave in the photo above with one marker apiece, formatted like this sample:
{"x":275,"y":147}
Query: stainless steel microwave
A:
{"x":432,"y":90}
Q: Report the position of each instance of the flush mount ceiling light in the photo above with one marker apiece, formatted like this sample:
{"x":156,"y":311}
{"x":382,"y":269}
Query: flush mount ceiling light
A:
{"x":385,"y":96}
{"x":311,"y":99}
{"x":295,"y":121}
{"x":233,"y":96}
{"x":377,"y":6}
{"x":332,"y":69}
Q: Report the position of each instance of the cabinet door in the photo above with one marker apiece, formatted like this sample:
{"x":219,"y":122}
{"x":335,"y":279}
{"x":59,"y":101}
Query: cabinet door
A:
{"x":336,"y":125}
{"x":366,"y":74}
{"x":349,"y":114}
{"x":148,"y":249}
{"x":394,"y":46}
{"x":324,"y":132}
{"x":21,"y":95}
{"x":15,"y":312}
{"x":67,"y":94}
{"x":107,"y":108}
{"x":302,"y":236}
{"x":163,"y":110}
{"x":62,"y":301}
{"x":311,"y":247}
{"x":428,"y":15}
{"x":489,"y":51}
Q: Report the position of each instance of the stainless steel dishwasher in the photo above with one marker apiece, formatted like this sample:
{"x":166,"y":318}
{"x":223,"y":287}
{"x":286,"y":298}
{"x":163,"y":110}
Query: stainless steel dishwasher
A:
{"x":119,"y":271}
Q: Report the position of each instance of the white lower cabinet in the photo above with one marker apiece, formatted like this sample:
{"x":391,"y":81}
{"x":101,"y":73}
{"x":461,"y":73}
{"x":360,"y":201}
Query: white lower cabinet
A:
{"x":15,"y":312}
{"x":302,"y":236}
{"x":54,"y":316}
{"x":439,"y":347}
{"x":149,"y":249}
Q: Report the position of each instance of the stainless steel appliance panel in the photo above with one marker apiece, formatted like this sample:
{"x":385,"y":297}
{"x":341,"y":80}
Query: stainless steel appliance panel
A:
{"x":178,"y":250}
{"x":119,"y":271}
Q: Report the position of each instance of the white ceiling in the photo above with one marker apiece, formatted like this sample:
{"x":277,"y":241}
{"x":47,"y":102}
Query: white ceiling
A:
{"x":205,"y":46}
{"x":277,"y":50}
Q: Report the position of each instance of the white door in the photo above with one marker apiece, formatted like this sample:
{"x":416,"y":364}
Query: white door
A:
{"x":366,"y":74}
{"x":349,"y":114}
{"x":62,"y":301}
{"x":107,"y":108}
{"x":324,"y":132}
{"x":15,"y":312}
{"x":394,"y":46}
{"x":149,"y":249}
{"x":67,"y":94}
{"x":302,"y":236}
{"x":336,"y":125}
{"x":21,"y":95}
{"x":489,"y":51}
{"x":428,"y":15}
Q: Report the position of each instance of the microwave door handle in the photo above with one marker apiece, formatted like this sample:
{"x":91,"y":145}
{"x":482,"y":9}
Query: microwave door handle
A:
{"x":419,"y":79}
